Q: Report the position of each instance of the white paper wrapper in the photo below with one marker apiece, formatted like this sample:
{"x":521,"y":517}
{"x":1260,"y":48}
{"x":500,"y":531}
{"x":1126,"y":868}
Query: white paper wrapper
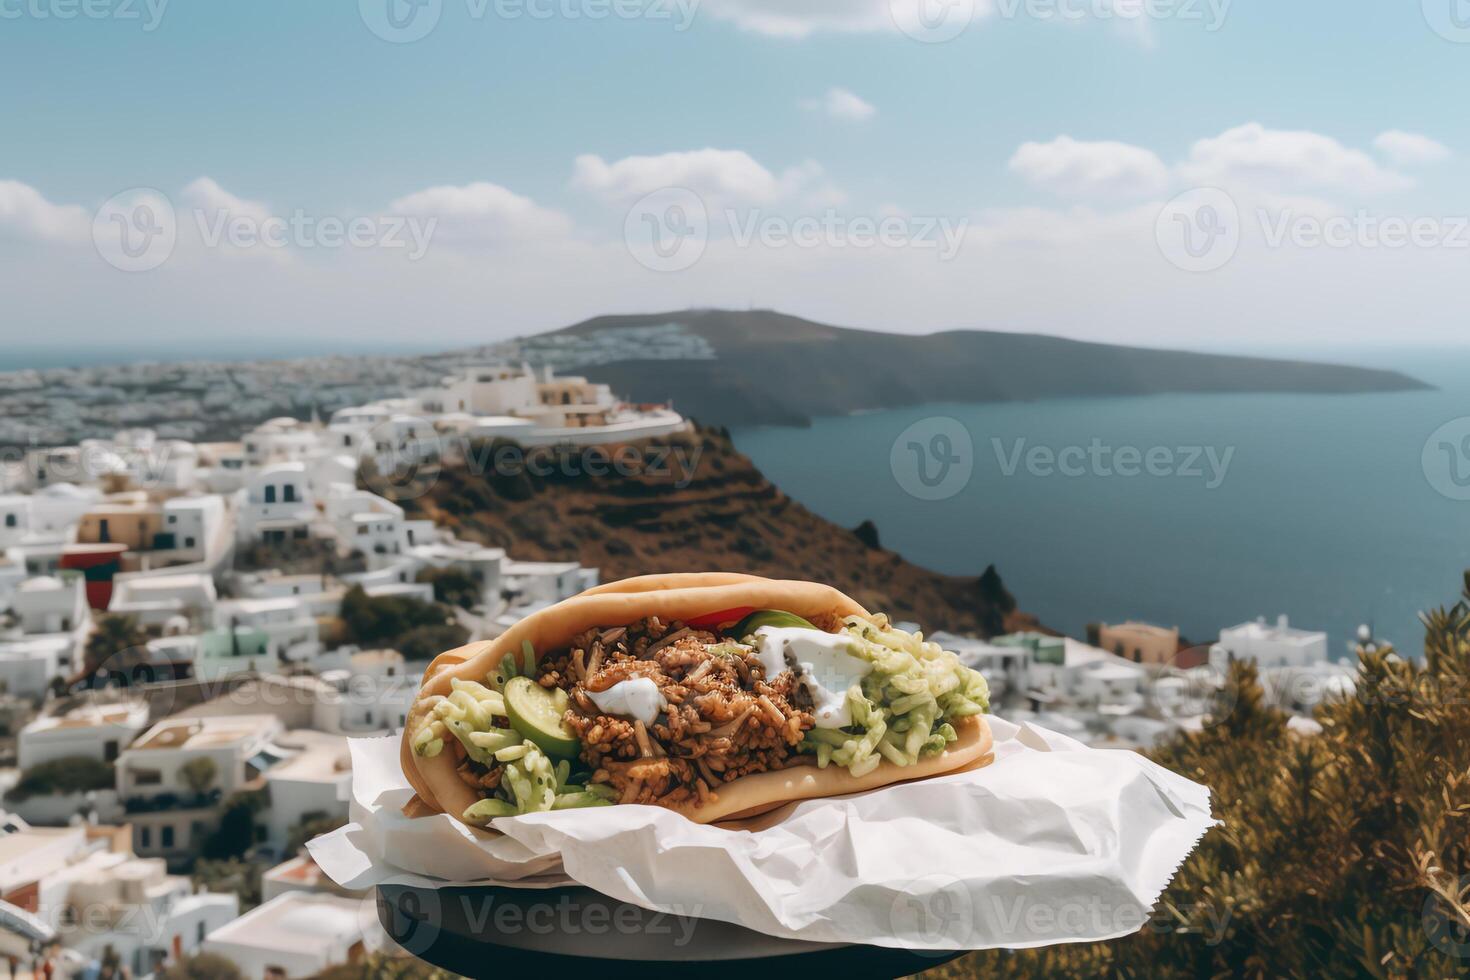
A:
{"x":1053,"y":842}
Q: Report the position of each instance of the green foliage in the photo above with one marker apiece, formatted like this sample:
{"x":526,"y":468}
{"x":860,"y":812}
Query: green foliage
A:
{"x":116,"y":643}
{"x":452,"y":586}
{"x":311,"y":825}
{"x":199,"y":774}
{"x":392,"y":621}
{"x":427,"y":642}
{"x":231,"y":875}
{"x":236,"y":832}
{"x":1342,"y":854}
{"x":77,"y":774}
{"x":204,"y":966}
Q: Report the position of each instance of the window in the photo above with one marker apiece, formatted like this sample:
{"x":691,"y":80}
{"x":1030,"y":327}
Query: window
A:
{"x":188,"y":542}
{"x":288,"y":493}
{"x":270,"y":493}
{"x":147,"y":777}
{"x":173,"y":518}
{"x":109,"y":750}
{"x":199,"y":934}
{"x":299,"y":534}
{"x":145,"y":838}
{"x":168,"y":837}
{"x":10,"y":520}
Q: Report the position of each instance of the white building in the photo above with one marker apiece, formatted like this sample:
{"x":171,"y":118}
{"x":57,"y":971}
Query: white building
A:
{"x":94,"y":729}
{"x":295,"y":934}
{"x":545,"y":581}
{"x":161,"y":776}
{"x":277,"y":504}
{"x":287,"y":621}
{"x":1090,"y":678}
{"x":281,"y":440}
{"x":50,"y":605}
{"x":155,"y":599}
{"x":95,"y":894}
{"x":314,"y":781}
{"x":46,"y":632}
{"x":1269,"y":645}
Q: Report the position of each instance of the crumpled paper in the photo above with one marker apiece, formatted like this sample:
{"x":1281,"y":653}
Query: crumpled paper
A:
{"x":1053,"y":842}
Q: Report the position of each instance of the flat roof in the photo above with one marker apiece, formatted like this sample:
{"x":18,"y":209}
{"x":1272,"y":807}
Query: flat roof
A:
{"x":294,"y":921}
{"x":203,"y":732}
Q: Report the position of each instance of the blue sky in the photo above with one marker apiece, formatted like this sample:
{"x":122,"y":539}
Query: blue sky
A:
{"x":818,"y":109}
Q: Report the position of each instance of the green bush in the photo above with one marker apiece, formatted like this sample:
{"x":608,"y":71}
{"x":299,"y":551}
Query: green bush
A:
{"x":1342,"y":854}
{"x":393,"y":621}
{"x":76,"y":774}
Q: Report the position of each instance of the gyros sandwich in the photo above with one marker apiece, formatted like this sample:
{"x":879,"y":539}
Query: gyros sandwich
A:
{"x":716,"y":695}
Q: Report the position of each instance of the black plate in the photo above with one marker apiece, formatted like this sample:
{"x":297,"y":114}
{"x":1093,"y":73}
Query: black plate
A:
{"x":496,"y":932}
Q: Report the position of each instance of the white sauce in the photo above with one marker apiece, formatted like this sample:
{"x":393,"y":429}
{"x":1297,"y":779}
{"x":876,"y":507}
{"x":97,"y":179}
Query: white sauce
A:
{"x":823,"y":666}
{"x":637,"y":697}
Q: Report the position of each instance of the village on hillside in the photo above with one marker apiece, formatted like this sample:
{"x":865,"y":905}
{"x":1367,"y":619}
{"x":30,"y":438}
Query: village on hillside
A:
{"x":190,"y":633}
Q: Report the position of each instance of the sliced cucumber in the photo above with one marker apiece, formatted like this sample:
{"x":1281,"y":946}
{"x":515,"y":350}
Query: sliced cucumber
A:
{"x":484,"y":811}
{"x":537,"y":713}
{"x":777,"y":618}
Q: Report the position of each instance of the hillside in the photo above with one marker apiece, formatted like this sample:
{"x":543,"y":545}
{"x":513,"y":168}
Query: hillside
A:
{"x":726,"y":517}
{"x":770,"y":368}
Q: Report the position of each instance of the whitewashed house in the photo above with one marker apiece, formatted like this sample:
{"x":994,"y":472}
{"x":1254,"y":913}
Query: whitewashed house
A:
{"x":93,"y":729}
{"x":156,"y":599}
{"x":171,"y":814}
{"x":313,"y":781}
{"x":544,"y":581}
{"x":280,"y":440}
{"x":1269,"y":645}
{"x":277,"y":504}
{"x":295,"y":934}
{"x":88,"y":886}
{"x":287,"y":622}
{"x":47,"y":628}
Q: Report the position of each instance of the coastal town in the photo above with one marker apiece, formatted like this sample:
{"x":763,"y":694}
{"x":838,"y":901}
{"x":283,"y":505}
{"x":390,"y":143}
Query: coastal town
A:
{"x":193,"y":627}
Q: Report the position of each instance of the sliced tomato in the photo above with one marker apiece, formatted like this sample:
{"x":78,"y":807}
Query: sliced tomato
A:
{"x":723,"y":616}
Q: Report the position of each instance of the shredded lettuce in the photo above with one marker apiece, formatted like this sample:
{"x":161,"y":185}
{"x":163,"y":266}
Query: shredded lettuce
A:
{"x":902,"y":709}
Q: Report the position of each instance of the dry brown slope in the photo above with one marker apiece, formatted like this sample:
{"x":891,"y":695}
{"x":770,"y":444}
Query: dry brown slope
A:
{"x":727,"y":517}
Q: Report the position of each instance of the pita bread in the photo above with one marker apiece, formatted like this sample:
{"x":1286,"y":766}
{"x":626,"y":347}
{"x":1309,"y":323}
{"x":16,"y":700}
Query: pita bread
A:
{"x":671,"y":597}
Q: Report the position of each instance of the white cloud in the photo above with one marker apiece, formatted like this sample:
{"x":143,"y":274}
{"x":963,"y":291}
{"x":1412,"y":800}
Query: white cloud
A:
{"x":729,"y":177}
{"x":839,"y":103}
{"x":205,"y":194}
{"x":801,"y":18}
{"x":1410,"y":149}
{"x":1286,"y":160}
{"x":482,"y":212}
{"x":1076,"y":169}
{"x":25,"y":213}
